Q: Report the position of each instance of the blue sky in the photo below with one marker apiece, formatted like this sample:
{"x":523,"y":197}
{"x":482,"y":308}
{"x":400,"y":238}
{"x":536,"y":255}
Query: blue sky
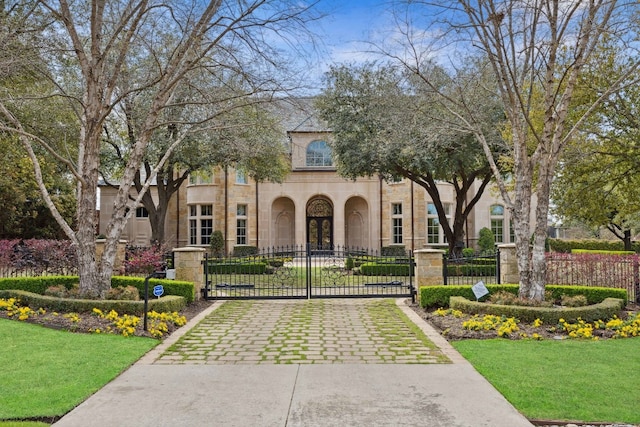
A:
{"x":347,"y":27}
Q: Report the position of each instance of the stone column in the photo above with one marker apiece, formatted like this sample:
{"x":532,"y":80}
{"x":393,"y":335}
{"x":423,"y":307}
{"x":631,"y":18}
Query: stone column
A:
{"x":428,"y":267}
{"x":188,"y":266}
{"x":508,"y":264}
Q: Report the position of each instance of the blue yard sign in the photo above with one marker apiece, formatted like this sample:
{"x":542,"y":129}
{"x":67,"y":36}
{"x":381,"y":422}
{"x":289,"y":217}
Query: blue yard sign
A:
{"x":158,"y":290}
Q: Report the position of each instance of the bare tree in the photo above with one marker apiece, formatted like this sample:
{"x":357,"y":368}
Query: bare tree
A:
{"x":536,"y":50}
{"x":93,"y":51}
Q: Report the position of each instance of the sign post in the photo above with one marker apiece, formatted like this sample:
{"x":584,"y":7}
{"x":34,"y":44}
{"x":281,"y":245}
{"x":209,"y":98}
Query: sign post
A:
{"x":146,"y":293}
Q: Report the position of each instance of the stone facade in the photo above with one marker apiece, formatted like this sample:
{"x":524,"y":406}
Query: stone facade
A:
{"x":313,"y":204}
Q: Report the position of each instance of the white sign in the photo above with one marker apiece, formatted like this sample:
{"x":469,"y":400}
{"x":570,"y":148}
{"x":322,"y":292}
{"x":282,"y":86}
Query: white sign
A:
{"x":479,"y":290}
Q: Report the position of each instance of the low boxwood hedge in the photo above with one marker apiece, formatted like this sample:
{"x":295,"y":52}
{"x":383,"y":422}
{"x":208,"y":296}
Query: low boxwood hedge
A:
{"x":438,"y":296}
{"x":171,"y":287}
{"x":39,"y":284}
{"x":471,"y":269}
{"x":549,"y":315}
{"x":238,"y":268}
{"x":169,"y":303}
{"x":384,"y":269}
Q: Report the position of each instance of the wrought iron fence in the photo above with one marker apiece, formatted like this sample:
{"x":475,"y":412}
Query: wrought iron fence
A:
{"x":591,"y":269}
{"x":309,"y":272}
{"x":472,"y":269}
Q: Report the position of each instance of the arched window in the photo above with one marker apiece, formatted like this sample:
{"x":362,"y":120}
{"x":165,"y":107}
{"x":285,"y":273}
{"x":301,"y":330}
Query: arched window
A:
{"x":497,"y":222}
{"x":319,"y":154}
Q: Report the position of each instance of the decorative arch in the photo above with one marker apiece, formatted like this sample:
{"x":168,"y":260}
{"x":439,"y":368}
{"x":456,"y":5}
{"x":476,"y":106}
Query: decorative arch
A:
{"x":283,"y":213}
{"x":356,"y":211}
{"x":319,"y":212}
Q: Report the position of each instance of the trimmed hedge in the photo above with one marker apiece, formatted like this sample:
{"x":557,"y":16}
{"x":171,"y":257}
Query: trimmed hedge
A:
{"x":171,"y":287}
{"x":240,"y":251}
{"x":438,"y":296}
{"x":238,"y":268}
{"x":383,"y":269}
{"x":393,"y":251}
{"x":471,"y":269}
{"x":168,"y":303}
{"x":561,"y":245}
{"x":39,"y":284}
{"x":596,"y":251}
{"x":549,"y":315}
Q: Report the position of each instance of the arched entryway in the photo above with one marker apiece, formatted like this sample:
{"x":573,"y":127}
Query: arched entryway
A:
{"x":320,"y":224}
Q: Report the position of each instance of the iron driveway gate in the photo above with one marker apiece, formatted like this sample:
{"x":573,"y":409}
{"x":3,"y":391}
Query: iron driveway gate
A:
{"x":309,"y":272}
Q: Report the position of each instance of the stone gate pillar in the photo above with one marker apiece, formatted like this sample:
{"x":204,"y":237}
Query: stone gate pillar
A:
{"x":428,"y":267}
{"x":188,"y":266}
{"x":508,"y":264}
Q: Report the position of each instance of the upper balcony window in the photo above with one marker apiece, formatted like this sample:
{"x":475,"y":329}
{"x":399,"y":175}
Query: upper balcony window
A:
{"x":319,"y":154}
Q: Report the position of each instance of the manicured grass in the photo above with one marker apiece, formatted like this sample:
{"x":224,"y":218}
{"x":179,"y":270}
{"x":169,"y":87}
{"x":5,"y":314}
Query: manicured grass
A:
{"x":46,"y":372}
{"x":563,"y":380}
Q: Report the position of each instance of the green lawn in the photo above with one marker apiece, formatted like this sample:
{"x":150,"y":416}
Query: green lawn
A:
{"x":563,"y":380}
{"x":46,"y":372}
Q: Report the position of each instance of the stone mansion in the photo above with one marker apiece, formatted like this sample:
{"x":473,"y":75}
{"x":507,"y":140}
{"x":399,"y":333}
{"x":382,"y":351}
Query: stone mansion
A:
{"x":312,"y":205}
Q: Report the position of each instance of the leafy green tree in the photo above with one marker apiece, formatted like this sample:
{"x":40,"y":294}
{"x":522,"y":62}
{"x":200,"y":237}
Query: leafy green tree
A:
{"x":98,"y":56}
{"x":387,"y":122}
{"x":486,"y":240}
{"x":536,"y":50}
{"x":246,"y":137}
{"x":598,"y":179}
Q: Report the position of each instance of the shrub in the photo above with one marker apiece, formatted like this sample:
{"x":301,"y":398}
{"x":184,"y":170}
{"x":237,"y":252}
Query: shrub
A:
{"x":216,"y":245}
{"x":128,"y":293}
{"x":508,"y":298}
{"x":393,"y":251}
{"x":383,"y":269}
{"x":438,"y":296}
{"x":144,"y":260}
{"x":238,"y":268}
{"x":39,"y":256}
{"x":167,"y":303}
{"x":601,"y":252}
{"x":573,"y":300}
{"x":486,"y":240}
{"x":606,"y":309}
{"x":468,"y":252}
{"x":171,"y":287}
{"x":59,"y":291}
{"x":241,"y":251}
{"x":566,"y":246}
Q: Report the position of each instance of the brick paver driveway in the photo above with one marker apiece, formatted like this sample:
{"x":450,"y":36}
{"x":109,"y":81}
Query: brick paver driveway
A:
{"x":304,"y":332}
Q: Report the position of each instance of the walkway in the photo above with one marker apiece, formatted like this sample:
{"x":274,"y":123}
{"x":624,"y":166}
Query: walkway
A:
{"x":300,"y":363}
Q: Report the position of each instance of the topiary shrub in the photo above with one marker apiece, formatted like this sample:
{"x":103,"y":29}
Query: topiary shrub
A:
{"x":216,"y":244}
{"x":486,"y":240}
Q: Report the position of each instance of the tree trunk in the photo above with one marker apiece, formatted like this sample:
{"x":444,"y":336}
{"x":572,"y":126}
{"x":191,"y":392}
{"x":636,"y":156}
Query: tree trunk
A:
{"x":157,"y":221}
{"x":627,"y":240}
